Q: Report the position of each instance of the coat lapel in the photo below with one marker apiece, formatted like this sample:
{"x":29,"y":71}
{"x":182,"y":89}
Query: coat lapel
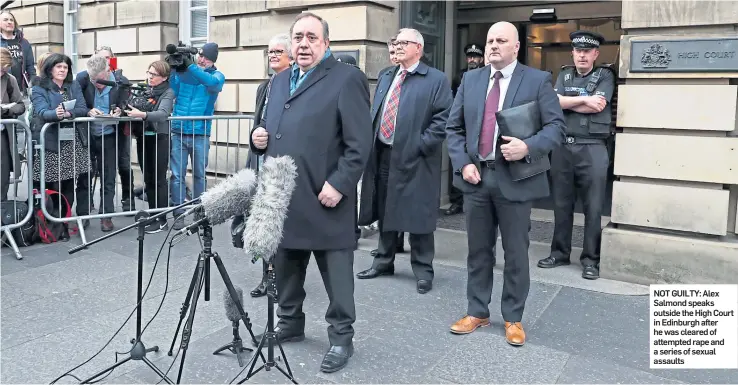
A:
{"x":512,"y":88}
{"x":480,"y":96}
{"x":318,"y":73}
{"x":384,"y":82}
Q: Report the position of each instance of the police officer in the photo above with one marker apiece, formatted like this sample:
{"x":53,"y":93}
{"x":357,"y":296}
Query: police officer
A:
{"x":580,"y":166}
{"x":474,"y":59}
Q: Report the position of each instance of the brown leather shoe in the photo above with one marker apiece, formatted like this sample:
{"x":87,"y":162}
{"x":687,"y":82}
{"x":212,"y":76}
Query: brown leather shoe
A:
{"x":514,"y":333}
{"x":468,"y":324}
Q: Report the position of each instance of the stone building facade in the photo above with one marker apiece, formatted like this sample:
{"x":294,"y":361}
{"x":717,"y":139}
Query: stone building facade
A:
{"x":674,"y":201}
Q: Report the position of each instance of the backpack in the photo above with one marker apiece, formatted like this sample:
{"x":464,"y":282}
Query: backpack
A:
{"x":47,"y":231}
{"x":12,"y":212}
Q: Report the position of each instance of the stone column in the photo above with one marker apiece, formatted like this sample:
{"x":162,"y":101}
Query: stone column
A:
{"x":674,"y":205}
{"x":42,"y":22}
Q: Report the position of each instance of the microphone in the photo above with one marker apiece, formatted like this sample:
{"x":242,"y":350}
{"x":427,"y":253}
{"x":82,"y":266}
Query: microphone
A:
{"x":122,"y":84}
{"x":262,"y":233}
{"x":223,"y":201}
{"x":231,"y":309}
{"x":106,"y":83}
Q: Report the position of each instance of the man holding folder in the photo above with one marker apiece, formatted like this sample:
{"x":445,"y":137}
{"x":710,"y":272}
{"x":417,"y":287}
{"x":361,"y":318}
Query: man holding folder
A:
{"x":501,"y":171}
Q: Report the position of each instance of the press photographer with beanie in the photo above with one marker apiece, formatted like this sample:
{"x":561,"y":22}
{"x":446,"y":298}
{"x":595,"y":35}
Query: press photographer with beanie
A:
{"x":196,"y":86}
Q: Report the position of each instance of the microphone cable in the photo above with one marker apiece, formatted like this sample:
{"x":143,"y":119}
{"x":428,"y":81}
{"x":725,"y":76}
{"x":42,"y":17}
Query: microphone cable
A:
{"x":143,"y":295}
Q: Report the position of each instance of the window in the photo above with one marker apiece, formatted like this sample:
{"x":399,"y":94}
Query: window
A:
{"x":71,"y":33}
{"x":194,"y":22}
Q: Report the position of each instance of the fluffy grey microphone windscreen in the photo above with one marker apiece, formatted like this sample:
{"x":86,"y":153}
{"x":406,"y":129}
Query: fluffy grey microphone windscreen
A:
{"x":231,"y":309}
{"x":230,"y":197}
{"x":263,"y":230}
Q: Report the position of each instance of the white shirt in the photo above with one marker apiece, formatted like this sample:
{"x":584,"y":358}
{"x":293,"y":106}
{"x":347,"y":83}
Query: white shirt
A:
{"x":387,"y":98}
{"x":504,"y":83}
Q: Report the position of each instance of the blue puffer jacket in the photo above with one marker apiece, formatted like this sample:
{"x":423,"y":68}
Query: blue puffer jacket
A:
{"x":195,"y":91}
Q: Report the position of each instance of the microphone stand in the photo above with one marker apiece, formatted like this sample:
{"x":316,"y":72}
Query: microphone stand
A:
{"x":139,"y":350}
{"x":200,"y":278}
{"x":236,"y":346}
{"x":269,"y":338}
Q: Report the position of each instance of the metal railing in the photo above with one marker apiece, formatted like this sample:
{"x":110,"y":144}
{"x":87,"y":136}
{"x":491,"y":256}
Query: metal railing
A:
{"x":22,"y":163}
{"x":84,"y":146}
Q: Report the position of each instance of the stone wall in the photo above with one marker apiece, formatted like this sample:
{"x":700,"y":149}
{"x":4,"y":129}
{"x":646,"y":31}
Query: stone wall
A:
{"x":137,"y":31}
{"x":674,"y":205}
{"x":42,"y":22}
{"x":242,"y":29}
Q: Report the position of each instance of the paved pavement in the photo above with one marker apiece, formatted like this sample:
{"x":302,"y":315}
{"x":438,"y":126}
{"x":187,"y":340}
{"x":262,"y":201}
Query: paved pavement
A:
{"x":59,"y":309}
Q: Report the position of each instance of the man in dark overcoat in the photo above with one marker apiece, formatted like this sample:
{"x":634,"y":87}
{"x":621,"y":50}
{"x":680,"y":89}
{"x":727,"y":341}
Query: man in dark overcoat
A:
{"x":401,"y":184}
{"x":318,"y":114}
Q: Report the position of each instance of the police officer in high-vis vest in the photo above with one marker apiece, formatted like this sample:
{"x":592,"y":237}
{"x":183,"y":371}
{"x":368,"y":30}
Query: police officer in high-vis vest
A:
{"x":579,"y":167}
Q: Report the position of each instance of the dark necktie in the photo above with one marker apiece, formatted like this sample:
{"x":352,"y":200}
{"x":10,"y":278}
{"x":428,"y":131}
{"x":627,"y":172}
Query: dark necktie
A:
{"x":487,"y":137}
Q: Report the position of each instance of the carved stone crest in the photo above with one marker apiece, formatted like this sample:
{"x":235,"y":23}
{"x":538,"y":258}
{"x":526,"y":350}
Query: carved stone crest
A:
{"x":656,"y":56}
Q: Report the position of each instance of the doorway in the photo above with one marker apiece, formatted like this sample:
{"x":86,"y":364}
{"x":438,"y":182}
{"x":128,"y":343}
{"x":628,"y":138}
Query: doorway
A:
{"x":547,"y":47}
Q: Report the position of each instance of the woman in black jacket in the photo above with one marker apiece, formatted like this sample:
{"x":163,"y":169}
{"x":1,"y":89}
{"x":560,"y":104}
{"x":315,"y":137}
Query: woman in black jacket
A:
{"x":152,"y":142}
{"x":12,"y":107}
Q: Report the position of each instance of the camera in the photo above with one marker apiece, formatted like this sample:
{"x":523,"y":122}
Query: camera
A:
{"x":180,"y":56}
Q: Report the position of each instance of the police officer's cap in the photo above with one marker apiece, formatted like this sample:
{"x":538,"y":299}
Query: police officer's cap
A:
{"x":586,"y":39}
{"x":348,"y":59}
{"x":474,"y":50}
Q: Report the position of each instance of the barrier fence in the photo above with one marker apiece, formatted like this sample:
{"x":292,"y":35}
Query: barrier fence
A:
{"x":15,"y":158}
{"x":129,"y":166}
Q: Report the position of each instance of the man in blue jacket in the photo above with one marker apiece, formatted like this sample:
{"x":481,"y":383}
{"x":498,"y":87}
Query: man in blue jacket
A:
{"x":196,"y":87}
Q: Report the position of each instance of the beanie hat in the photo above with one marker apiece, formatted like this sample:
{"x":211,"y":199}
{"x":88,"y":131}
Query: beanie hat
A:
{"x":210,"y":51}
{"x":348,"y":59}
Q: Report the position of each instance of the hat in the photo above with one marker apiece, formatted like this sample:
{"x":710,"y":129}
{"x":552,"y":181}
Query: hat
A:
{"x":348,"y":59}
{"x":210,"y":51}
{"x":474,"y":50}
{"x":586,"y":39}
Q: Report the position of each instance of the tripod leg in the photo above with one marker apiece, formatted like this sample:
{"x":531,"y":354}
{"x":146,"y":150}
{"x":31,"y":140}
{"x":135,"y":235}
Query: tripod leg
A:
{"x":186,"y":303}
{"x":234,"y":295}
{"x":187,"y":331}
{"x":157,"y":370}
{"x":100,"y":373}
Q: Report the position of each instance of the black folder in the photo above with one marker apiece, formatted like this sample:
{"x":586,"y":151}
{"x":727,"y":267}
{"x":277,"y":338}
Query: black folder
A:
{"x":522,"y":122}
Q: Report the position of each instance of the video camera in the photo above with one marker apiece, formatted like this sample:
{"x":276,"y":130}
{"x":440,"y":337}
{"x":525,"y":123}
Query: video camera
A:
{"x":180,"y":56}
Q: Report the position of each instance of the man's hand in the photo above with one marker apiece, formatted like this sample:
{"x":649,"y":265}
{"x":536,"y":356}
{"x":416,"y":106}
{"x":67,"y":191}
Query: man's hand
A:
{"x":117,"y":112}
{"x":260,"y":138}
{"x":329,"y":197}
{"x":516,"y":149}
{"x":94,"y":112}
{"x":471,"y":174}
{"x":596,"y":102}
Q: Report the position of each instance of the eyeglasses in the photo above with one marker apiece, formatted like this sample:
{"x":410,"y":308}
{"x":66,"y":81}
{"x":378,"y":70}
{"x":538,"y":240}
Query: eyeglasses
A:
{"x":403,"y":43}
{"x":275,"y":52}
{"x":152,"y":74}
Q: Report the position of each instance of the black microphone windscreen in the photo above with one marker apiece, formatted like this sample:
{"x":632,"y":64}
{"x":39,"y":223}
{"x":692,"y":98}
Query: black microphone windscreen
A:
{"x":230,"y":197}
{"x":263,"y":230}
{"x":106,"y":83}
{"x":231,"y":309}
{"x":171,"y":49}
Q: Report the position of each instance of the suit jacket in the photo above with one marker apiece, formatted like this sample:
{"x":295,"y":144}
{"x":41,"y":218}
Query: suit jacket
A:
{"x":261,"y":93}
{"x":465,"y":125}
{"x":325,"y":126}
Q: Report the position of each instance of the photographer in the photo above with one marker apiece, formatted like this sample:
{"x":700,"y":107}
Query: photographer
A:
{"x":196,"y":87}
{"x":124,"y":135}
{"x":152,"y":146}
{"x":103,"y":100}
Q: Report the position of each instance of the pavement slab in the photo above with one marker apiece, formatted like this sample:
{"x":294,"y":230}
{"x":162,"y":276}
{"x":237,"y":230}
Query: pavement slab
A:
{"x":58,"y":310}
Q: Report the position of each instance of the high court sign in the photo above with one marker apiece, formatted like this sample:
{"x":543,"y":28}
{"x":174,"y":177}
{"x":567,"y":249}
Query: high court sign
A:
{"x":686,"y":55}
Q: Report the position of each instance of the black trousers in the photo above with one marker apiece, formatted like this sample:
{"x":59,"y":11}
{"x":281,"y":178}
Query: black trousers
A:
{"x":153,"y":157}
{"x":579,"y":168}
{"x":337,"y":269}
{"x":103,"y":153}
{"x":124,"y":165}
{"x":422,"y":246}
{"x":486,"y":209}
{"x":6,"y":161}
{"x":455,"y":196}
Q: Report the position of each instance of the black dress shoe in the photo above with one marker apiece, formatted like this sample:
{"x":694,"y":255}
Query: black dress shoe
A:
{"x":260,"y":290}
{"x":454,"y":209}
{"x":374,"y":252}
{"x":591,"y":272}
{"x":424,"y":286}
{"x":400,"y":248}
{"x":374,"y":273}
{"x":282,"y":336}
{"x":550,"y":262}
{"x":336,"y":358}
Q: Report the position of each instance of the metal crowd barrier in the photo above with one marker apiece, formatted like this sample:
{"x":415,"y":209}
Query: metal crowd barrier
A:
{"x":14,"y":132}
{"x":186,"y":153}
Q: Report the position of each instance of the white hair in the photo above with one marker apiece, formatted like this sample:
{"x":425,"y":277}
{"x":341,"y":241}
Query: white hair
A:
{"x":284,"y":40}
{"x":418,"y":36}
{"x":96,"y":65}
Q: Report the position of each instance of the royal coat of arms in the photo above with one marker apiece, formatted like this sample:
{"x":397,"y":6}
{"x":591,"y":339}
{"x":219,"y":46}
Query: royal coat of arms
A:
{"x":656,"y":56}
